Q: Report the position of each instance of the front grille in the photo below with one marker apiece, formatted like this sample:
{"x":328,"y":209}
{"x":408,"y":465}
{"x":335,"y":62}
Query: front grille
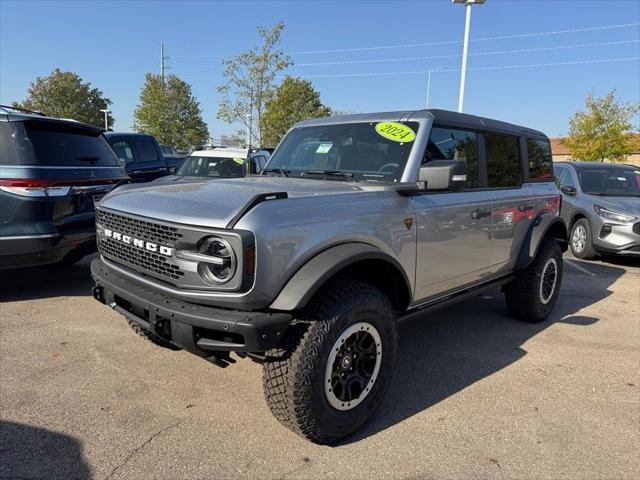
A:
{"x":136,"y":257}
{"x":636,"y":228}
{"x":151,"y":232}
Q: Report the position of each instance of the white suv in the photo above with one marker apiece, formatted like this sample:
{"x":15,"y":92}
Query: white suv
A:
{"x":221,"y":162}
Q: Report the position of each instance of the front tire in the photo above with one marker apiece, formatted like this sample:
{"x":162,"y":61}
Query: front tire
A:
{"x":332,"y":368}
{"x":532,"y":295}
{"x":581,"y":240}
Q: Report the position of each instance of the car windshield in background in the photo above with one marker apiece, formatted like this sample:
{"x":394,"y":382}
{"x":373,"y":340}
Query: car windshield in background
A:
{"x":611,"y":182}
{"x":53,"y":144}
{"x":367,"y":152}
{"x":195,"y":166}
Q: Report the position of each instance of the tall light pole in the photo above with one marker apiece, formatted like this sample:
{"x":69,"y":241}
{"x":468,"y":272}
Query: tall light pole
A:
{"x":435,"y":69}
{"x":467,"y":23}
{"x":106,"y":117}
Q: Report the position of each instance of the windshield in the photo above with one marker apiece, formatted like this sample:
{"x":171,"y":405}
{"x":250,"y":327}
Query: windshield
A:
{"x":225,"y":167}
{"x":611,"y":182}
{"x":371,"y":151}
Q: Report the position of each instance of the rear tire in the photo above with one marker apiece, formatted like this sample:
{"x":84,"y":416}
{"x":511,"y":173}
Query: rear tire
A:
{"x":152,"y":337}
{"x":332,"y":368}
{"x":581,"y":240}
{"x":532,"y":295}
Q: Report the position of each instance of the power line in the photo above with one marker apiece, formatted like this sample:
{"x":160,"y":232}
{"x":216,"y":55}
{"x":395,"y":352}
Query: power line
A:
{"x":431,"y":57}
{"x":493,"y":67}
{"x":444,"y":42}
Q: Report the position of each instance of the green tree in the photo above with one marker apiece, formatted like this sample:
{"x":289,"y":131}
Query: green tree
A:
{"x":64,"y":95}
{"x":250,"y":80}
{"x":169,"y":111}
{"x":294,"y":100}
{"x":603,"y":131}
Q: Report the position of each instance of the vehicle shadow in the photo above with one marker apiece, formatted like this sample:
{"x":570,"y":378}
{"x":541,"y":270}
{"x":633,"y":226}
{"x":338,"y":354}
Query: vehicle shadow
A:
{"x":33,"y":452}
{"x":46,"y":282}
{"x":444,"y":352}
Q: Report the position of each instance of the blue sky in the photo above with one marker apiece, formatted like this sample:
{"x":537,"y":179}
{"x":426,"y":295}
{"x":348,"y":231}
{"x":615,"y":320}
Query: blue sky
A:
{"x":113,"y":44}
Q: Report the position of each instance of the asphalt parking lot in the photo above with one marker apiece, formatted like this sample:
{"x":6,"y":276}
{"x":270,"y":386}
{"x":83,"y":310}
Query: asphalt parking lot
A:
{"x":475,"y":395}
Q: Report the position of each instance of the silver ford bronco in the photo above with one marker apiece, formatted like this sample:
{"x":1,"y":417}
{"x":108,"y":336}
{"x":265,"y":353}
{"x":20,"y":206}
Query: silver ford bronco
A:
{"x":356,"y":221}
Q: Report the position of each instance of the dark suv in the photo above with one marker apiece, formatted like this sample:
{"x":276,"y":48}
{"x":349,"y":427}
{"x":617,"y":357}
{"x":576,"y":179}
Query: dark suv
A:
{"x":51,"y":173}
{"x":142,"y":156}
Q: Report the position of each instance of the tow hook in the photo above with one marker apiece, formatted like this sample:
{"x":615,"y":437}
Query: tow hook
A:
{"x":98,"y":293}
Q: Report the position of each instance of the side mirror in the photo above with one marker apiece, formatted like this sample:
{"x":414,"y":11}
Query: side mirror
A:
{"x":568,"y":190}
{"x":445,"y":175}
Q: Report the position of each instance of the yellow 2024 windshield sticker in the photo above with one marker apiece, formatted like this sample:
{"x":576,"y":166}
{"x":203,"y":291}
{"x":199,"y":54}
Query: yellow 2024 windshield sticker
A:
{"x":395,"y":131}
{"x":238,"y":160}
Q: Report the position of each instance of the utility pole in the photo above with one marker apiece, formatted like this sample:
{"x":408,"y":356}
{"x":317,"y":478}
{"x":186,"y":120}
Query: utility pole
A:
{"x":162,"y":59}
{"x":465,"y":48}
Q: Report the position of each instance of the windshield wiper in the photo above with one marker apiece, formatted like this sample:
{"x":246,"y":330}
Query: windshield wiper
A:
{"x":282,"y":171}
{"x":346,"y":175}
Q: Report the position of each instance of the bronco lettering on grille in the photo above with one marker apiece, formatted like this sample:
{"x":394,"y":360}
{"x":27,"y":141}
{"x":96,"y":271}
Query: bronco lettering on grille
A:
{"x":136,"y":242}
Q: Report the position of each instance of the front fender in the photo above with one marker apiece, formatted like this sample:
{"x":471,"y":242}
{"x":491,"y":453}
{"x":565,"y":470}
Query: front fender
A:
{"x":313,"y":274}
{"x":543,"y":225}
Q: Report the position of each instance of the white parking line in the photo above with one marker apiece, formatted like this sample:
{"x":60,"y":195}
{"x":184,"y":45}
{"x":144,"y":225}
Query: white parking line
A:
{"x":578,"y":267}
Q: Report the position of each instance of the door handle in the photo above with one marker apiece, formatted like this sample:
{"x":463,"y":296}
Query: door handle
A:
{"x":478,"y":214}
{"x":525,"y":208}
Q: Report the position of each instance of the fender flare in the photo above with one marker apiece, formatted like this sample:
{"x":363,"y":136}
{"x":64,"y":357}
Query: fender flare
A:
{"x":315,"y":272}
{"x":542,"y":225}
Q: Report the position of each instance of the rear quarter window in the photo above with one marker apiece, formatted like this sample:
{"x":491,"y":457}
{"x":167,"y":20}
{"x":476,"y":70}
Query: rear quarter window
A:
{"x":54,"y":144}
{"x":540,"y":160}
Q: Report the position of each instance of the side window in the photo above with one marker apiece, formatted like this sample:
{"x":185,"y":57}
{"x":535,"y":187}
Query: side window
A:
{"x":124,"y":152}
{"x":452,"y":144}
{"x":565,"y":179}
{"x":261,"y":161}
{"x":557,"y":173}
{"x":146,"y":151}
{"x":540,"y":160}
{"x":503,"y":161}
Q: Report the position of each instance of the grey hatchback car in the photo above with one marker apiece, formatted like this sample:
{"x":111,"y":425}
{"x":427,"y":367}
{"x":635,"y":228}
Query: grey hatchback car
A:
{"x":601,"y":207}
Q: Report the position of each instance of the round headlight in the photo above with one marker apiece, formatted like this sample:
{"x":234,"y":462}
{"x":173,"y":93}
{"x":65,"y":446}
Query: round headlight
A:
{"x":223,"y":261}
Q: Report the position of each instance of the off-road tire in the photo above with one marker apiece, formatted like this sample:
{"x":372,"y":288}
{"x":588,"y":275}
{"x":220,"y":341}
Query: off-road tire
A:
{"x":294,"y":373}
{"x":524,"y":294}
{"x":152,"y":337}
{"x":587,"y":252}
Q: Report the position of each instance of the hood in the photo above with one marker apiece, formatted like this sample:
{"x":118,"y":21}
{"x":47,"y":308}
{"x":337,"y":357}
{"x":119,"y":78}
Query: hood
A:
{"x":627,"y":205}
{"x":212,"y":203}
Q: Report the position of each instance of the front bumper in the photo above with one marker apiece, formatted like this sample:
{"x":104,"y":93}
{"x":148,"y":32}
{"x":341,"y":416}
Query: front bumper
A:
{"x":199,"y":329}
{"x":617,"y":238}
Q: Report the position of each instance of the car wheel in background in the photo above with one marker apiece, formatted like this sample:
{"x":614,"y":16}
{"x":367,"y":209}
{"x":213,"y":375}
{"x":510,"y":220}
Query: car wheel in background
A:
{"x":580,"y":240}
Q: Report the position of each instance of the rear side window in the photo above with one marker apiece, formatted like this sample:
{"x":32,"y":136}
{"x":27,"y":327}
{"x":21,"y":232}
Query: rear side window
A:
{"x":452,"y":144}
{"x":8,"y":151}
{"x":124,"y":151}
{"x":503,"y":161}
{"x":146,"y":151}
{"x":540,"y":160}
{"x":53,"y":144}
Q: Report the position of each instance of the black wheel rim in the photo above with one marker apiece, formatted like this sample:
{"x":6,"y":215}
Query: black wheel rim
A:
{"x":352,"y":366}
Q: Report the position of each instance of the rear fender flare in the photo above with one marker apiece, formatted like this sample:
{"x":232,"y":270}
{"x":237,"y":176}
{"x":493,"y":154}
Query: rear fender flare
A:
{"x":542,"y":226}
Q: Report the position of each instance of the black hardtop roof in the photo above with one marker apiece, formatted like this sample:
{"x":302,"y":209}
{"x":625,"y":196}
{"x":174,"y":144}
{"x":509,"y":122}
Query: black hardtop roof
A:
{"x":443,"y":117}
